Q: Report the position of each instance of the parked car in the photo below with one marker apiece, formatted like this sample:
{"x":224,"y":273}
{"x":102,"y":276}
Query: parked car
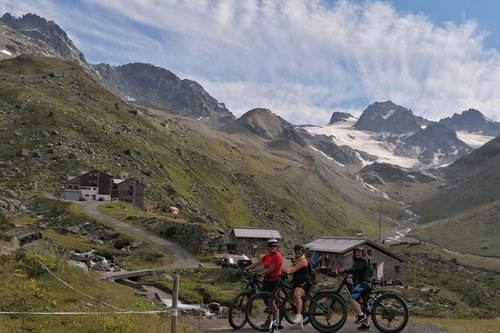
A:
{"x":231,"y":261}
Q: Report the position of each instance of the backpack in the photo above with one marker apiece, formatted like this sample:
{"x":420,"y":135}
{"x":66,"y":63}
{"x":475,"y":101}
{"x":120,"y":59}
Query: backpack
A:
{"x":369,"y":271}
{"x":311,"y":273}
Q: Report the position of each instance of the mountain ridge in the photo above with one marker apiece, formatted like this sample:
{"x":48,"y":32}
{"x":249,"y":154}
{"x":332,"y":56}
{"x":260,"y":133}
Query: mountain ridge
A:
{"x":148,"y":83}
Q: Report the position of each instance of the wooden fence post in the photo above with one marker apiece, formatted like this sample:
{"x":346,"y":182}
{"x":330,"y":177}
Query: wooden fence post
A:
{"x":175,"y":310}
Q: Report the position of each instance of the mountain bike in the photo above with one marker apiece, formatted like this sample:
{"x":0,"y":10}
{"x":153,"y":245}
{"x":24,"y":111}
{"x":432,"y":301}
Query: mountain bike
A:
{"x":237,"y":309}
{"x":388,"y":311}
{"x":324,"y":309}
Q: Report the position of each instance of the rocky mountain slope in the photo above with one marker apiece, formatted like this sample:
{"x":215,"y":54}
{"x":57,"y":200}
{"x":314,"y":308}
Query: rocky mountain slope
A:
{"x":13,"y":44}
{"x":145,"y":83}
{"x":39,"y":29}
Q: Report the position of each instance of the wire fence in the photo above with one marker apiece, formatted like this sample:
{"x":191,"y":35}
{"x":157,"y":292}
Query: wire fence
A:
{"x":173,"y":312}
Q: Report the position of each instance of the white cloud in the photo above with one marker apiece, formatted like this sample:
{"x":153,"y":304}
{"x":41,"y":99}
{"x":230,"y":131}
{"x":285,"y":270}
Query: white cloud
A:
{"x":302,"y":59}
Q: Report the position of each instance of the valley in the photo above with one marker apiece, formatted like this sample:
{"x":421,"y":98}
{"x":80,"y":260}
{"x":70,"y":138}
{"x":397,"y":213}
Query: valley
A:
{"x":425,"y":190}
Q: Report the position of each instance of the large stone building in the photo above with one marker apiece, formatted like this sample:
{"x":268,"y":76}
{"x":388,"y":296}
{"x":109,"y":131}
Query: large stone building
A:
{"x":97,"y":185}
{"x":331,"y":252}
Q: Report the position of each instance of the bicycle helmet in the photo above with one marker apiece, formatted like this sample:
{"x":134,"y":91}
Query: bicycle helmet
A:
{"x":272,"y":241}
{"x":299,"y":247}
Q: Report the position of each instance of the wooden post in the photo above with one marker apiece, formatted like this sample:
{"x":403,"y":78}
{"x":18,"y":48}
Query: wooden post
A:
{"x":175,"y":311}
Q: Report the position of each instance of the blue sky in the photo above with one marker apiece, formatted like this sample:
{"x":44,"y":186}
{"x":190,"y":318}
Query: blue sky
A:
{"x":301,"y":59}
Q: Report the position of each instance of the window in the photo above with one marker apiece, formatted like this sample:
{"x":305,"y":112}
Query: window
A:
{"x":397,"y":269}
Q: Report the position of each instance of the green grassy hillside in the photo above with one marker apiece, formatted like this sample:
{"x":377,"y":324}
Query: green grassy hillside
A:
{"x":57,"y":121}
{"x":462,"y":214}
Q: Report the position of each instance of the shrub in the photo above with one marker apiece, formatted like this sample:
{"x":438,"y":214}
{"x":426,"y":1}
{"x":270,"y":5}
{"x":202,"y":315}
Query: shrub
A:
{"x":32,"y":263}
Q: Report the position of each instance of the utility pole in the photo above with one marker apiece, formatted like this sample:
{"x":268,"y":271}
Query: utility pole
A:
{"x":380,"y":220}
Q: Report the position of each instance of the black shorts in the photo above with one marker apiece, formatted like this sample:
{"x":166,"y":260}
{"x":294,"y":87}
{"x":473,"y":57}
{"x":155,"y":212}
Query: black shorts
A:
{"x":269,"y":286}
{"x":304,"y":285}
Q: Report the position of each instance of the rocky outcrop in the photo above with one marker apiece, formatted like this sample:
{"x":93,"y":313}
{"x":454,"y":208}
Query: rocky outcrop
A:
{"x":379,"y":173}
{"x":48,"y":32}
{"x":13,"y":44}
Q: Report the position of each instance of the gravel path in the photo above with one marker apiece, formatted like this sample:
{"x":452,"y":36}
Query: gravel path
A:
{"x":222,"y":326}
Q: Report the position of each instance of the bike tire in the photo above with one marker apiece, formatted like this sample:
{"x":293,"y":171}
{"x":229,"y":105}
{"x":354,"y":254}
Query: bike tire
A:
{"x":258,"y":309}
{"x":236,"y":314}
{"x":327,"y":312}
{"x":389,"y":313}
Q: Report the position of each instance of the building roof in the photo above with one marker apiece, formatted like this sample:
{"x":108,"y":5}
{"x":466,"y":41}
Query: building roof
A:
{"x":117,"y":181}
{"x":343,"y":245}
{"x":71,"y":178}
{"x":256,"y":233}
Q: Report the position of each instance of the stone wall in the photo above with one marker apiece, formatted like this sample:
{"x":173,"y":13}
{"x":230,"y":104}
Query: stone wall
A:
{"x":194,"y":237}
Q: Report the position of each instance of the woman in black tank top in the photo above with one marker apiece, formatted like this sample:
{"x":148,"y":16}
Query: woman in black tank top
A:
{"x":299,"y":280}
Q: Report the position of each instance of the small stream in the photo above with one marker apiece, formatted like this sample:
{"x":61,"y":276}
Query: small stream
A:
{"x":402,"y":227}
{"x":166,"y":299}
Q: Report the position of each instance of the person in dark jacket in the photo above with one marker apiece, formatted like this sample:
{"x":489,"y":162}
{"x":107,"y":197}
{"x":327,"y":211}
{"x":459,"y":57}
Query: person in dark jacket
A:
{"x":360,"y":277}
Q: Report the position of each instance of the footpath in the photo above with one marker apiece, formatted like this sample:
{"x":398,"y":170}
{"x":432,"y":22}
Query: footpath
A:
{"x":205,"y":325}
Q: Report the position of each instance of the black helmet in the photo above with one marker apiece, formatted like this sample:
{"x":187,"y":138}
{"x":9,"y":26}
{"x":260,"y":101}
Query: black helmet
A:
{"x":299,"y":247}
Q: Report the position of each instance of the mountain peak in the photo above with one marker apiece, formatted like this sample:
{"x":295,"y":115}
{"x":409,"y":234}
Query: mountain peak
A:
{"x":38,"y":28}
{"x":265,"y":124}
{"x":388,"y":117}
{"x":472,"y":121}
{"x":339,"y":116}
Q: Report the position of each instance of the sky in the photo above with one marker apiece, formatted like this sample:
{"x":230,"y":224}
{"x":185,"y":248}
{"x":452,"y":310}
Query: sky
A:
{"x":302,"y":59}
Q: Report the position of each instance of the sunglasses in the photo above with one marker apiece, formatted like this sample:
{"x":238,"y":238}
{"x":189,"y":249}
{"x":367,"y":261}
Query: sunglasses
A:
{"x":272,"y":246}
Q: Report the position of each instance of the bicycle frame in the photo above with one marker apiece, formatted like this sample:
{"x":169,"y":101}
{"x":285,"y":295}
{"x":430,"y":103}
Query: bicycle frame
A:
{"x":382,"y":303}
{"x":286,"y":296}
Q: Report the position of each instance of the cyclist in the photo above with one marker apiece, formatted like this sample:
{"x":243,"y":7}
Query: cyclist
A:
{"x":360,"y":271}
{"x":272,"y":262}
{"x":300,"y":281}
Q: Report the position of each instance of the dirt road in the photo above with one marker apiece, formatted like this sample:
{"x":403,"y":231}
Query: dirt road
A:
{"x":183,"y":259}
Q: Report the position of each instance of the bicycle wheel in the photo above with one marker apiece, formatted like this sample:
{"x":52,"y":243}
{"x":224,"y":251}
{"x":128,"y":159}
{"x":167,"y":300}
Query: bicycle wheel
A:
{"x":259,"y":310}
{"x":236,"y":314}
{"x":390,"y":313}
{"x":289,"y":311}
{"x":327,"y":312}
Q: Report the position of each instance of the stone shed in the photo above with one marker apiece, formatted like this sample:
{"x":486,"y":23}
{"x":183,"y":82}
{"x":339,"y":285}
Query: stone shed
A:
{"x":330,"y":252}
{"x":250,"y":241}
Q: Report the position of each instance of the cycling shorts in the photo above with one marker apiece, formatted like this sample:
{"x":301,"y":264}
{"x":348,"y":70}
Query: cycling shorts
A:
{"x":269,"y":286}
{"x":359,"y":290}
